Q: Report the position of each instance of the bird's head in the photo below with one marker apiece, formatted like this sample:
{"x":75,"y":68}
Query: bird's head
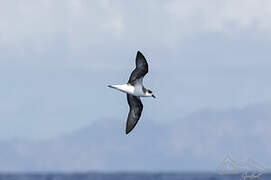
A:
{"x":150,"y":93}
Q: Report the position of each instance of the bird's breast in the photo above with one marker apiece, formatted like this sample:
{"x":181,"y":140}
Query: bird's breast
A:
{"x":138,"y":91}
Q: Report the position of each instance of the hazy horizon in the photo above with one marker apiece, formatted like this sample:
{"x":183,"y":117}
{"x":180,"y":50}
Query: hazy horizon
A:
{"x":199,"y":142}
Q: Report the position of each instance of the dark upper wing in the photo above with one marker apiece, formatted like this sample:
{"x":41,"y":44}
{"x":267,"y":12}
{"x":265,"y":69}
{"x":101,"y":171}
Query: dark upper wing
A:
{"x":136,"y":108}
{"x":140,"y":70}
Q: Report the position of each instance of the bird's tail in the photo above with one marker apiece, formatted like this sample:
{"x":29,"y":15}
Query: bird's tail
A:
{"x":111,"y":86}
{"x":118,"y":87}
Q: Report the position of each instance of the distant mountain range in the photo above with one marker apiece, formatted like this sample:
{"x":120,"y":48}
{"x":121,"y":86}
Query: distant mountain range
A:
{"x":198,"y":142}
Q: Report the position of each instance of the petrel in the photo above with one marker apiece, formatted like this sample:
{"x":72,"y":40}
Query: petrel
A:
{"x":134,"y":90}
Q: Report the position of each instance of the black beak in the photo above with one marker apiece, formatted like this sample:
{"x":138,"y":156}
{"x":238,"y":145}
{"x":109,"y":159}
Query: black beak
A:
{"x":153,"y":96}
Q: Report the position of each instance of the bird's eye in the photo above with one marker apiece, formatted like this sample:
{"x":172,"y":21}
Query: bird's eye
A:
{"x":150,"y":91}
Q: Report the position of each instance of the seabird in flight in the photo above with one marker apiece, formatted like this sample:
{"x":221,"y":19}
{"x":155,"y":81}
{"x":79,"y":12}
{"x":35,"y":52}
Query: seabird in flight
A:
{"x":134,"y":90}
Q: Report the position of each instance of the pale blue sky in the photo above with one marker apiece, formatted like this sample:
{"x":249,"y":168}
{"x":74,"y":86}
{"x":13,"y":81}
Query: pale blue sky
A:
{"x":57,"y":58}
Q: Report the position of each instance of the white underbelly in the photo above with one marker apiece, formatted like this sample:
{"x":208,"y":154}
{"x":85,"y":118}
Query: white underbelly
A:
{"x":138,"y":91}
{"x":129,"y":89}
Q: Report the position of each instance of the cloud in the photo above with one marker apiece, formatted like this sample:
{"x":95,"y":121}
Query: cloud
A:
{"x":79,"y":26}
{"x":87,"y":34}
{"x":46,"y":27}
{"x":222,"y":16}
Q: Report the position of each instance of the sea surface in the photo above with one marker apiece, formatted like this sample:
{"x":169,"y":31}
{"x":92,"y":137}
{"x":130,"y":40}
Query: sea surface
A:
{"x":130,"y":176}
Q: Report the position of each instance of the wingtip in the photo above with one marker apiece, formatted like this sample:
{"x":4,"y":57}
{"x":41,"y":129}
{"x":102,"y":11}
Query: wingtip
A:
{"x":138,"y":52}
{"x":140,"y":55}
{"x":127,"y":131}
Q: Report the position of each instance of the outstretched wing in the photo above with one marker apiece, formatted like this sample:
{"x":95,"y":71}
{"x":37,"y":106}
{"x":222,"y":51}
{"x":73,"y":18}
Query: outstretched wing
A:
{"x":136,"y":108}
{"x":140,"y":70}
